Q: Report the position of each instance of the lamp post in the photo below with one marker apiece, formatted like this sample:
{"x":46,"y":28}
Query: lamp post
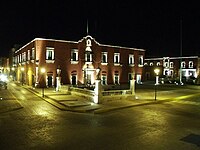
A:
{"x":42,"y":72}
{"x":156,"y":71}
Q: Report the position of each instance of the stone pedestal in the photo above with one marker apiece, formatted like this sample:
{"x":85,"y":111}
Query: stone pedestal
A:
{"x":132,"y":86}
{"x":157,"y":80}
{"x":98,"y":92}
{"x":58,"y":84}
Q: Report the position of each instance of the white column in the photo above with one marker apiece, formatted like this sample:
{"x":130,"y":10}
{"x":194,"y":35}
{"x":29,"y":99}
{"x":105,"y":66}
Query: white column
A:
{"x":157,"y":80}
{"x":98,"y":92}
{"x":58,"y":83}
{"x":132,"y":86}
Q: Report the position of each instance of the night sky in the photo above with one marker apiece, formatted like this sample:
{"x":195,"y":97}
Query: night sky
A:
{"x":153,"y":26}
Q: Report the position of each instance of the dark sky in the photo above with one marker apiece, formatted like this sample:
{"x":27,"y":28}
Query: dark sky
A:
{"x":154,"y":26}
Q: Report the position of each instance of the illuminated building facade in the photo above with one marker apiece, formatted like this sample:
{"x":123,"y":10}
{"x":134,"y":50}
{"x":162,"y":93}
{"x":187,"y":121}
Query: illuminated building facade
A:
{"x":171,"y":67}
{"x":77,"y":62}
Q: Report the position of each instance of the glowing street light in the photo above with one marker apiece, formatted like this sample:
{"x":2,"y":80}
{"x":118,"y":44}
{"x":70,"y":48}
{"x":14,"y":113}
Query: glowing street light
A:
{"x":156,"y":71}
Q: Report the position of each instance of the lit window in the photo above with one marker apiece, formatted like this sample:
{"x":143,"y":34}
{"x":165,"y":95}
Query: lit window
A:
{"x":88,"y":57}
{"x":131,"y":59}
{"x":104,"y":79}
{"x":116,"y":77}
{"x":116,"y":58}
{"x":171,"y":64}
{"x":158,"y":64}
{"x":104,"y":57}
{"x":49,"y":53}
{"x":165,"y":64}
{"x":29,"y":55}
{"x":20,"y":57}
{"x":190,"y":64}
{"x":74,"y":56}
{"x":24,"y":56}
{"x":183,"y":64}
{"x":151,"y":64}
{"x":140,"y":60}
{"x":33,"y":54}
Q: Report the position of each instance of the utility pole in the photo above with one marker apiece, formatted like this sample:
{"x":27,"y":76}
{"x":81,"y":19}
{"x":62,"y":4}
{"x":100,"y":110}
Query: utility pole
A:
{"x":181,"y":44}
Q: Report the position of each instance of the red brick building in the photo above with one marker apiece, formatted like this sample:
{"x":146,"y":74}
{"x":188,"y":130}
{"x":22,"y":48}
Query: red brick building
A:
{"x":76,"y":62}
{"x":171,"y":67}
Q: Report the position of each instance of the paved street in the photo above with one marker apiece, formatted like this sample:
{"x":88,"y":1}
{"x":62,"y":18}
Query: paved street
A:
{"x":38,"y":124}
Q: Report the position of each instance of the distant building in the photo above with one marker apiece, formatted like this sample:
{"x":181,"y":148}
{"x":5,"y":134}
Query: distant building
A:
{"x":4,"y":65}
{"x":171,"y":67}
{"x":77,"y":62}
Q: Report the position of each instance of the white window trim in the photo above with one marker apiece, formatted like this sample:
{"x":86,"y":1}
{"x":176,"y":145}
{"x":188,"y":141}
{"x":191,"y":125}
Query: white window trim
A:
{"x":90,"y":61}
{"x":50,"y":49}
{"x":142,"y":59}
{"x":76,"y":60}
{"x":29,"y":55}
{"x":192,"y":64}
{"x":117,"y":80}
{"x":102,"y":79}
{"x":171,"y":65}
{"x":183,"y":64}
{"x":106,"y":55}
{"x":33,"y":54}
{"x":117,"y":61}
{"x":133,"y":61}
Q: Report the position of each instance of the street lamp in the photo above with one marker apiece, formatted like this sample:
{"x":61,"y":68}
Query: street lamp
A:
{"x":156,"y":71}
{"x":42,"y":72}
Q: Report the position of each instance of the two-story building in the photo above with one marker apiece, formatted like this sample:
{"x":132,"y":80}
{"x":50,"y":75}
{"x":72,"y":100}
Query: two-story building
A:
{"x":76,"y":62}
{"x":173,"y":67}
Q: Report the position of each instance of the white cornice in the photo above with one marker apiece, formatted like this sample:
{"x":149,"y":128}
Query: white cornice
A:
{"x":162,"y":58}
{"x":75,"y":42}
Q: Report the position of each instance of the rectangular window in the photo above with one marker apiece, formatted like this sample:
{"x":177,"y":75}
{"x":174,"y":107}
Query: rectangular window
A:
{"x":141,"y":61}
{"x":171,"y":65}
{"x":183,"y":64}
{"x":24,"y":56}
{"x":88,"y":57}
{"x":190,"y":64}
{"x":116,"y":58}
{"x":116,"y":79}
{"x":74,"y":56}
{"x":131,"y":59}
{"x":104,"y":57}
{"x":20,"y":57}
{"x":33,"y":54}
{"x":29,"y":55}
{"x":49,"y":53}
{"x":103,"y":79}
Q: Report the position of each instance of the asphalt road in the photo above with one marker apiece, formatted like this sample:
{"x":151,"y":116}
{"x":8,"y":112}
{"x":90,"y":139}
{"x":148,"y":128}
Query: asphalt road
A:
{"x":39,"y":125}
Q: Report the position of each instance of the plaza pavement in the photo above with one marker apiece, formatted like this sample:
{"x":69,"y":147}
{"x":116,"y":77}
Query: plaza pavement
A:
{"x":67,"y":102}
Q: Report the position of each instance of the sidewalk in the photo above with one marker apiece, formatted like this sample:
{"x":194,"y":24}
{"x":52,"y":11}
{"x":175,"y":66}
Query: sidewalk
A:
{"x":64,"y":101}
{"x":9,"y":105}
